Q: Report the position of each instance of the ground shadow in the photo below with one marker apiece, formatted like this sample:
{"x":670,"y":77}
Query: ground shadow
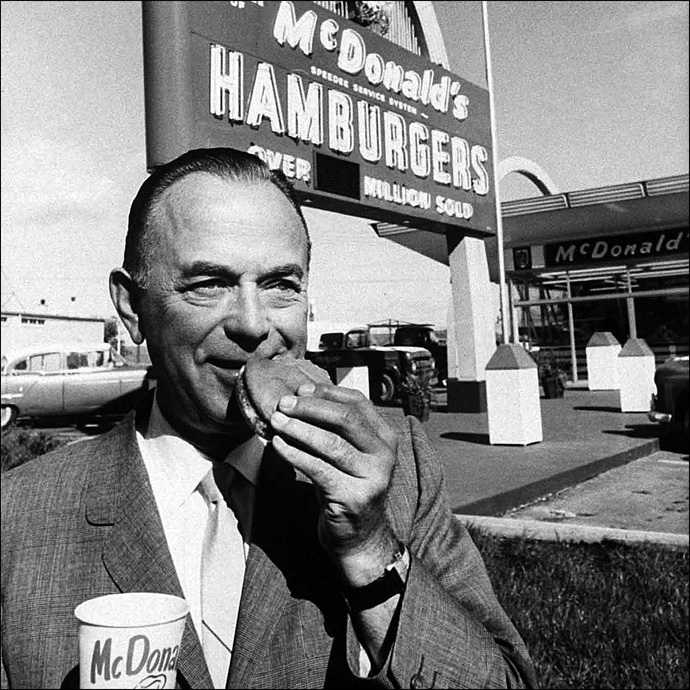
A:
{"x":592,"y":408}
{"x":479,"y":439}
{"x":670,"y":439}
{"x":90,"y":428}
{"x":638,"y":431}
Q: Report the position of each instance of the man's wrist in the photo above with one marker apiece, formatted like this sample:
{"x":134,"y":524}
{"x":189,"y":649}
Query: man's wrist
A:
{"x":390,"y":582}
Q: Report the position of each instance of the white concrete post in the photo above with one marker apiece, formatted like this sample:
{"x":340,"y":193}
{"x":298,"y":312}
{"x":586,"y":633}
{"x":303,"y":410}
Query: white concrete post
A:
{"x":602,"y":361}
{"x":512,"y":396}
{"x":636,"y":367}
{"x":353,"y":377}
{"x":471,"y":336}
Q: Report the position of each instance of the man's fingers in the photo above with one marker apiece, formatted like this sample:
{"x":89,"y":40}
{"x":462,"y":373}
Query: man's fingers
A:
{"x":345,"y":412}
{"x":318,"y":442}
{"x":349,"y":395}
{"x":317,"y":470}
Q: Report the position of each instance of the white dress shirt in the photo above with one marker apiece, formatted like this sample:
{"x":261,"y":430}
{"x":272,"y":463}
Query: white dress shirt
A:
{"x":175,"y":468}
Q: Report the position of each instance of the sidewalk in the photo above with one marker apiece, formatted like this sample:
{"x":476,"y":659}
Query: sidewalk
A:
{"x":584,"y":434}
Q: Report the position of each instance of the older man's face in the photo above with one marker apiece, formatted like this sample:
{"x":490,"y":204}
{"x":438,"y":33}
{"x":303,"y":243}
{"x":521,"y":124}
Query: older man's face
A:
{"x":228,"y":278}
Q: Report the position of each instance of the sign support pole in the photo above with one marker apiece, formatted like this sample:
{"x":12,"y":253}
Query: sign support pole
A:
{"x":505,"y":312}
{"x":512,"y":379}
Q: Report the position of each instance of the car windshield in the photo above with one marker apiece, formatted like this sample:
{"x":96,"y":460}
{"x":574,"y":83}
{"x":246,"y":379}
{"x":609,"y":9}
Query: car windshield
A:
{"x":330,"y":341}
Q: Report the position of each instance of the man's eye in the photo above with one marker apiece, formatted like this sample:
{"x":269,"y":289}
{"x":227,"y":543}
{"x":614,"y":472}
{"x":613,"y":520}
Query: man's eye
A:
{"x":285,"y":286}
{"x":208,"y":287}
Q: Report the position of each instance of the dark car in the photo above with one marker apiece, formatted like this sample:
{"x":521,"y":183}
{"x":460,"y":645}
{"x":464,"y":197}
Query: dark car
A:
{"x":670,"y":402}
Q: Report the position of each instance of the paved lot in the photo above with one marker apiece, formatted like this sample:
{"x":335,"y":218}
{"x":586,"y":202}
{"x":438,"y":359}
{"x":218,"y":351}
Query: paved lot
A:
{"x":648,"y":494}
{"x":585,"y":435}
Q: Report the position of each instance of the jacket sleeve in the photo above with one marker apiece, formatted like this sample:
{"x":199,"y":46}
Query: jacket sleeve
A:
{"x":451,"y":630}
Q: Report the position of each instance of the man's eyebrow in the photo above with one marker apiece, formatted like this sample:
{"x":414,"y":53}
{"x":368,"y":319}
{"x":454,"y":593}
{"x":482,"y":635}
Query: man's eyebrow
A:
{"x":199,"y":268}
{"x":286,"y":270}
{"x":213,"y":269}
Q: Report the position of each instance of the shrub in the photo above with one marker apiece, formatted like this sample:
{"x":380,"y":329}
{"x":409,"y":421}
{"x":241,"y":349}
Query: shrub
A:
{"x":21,"y":445}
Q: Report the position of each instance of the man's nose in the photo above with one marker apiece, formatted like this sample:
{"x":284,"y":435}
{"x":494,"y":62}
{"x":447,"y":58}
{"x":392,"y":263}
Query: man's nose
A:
{"x":248,"y":324}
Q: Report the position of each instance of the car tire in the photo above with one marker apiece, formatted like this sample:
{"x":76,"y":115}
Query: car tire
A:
{"x":680,"y":428}
{"x":8,"y":416}
{"x":386,"y":389}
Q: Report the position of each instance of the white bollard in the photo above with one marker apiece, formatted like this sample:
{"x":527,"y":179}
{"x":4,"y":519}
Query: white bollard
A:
{"x":602,"y":362}
{"x":353,"y":377}
{"x":512,"y":397}
{"x":636,"y":367}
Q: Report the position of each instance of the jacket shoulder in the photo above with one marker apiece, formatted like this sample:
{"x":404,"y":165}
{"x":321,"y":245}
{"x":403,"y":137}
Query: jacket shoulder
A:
{"x":58,"y":478}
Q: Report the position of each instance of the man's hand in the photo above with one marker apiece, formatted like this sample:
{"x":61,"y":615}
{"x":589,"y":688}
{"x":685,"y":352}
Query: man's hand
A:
{"x":337,"y":438}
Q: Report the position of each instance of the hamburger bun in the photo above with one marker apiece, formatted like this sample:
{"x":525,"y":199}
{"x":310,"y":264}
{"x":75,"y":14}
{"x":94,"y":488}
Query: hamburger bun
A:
{"x":261,"y":383}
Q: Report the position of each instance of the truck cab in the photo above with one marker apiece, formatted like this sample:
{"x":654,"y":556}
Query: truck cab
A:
{"x":424,"y":335}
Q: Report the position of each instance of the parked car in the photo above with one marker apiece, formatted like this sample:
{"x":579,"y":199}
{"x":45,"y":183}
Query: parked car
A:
{"x":670,"y":402}
{"x":74,"y":382}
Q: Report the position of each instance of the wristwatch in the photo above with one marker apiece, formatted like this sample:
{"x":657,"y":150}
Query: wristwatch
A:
{"x":391,"y":582}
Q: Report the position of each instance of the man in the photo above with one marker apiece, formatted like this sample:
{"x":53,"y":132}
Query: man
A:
{"x":355,"y":570}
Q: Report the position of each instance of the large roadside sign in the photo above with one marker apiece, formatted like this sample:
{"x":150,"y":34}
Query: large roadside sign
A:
{"x":360,"y":125}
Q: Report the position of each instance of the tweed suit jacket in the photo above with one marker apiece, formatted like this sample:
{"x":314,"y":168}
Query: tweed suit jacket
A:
{"x":82,"y":522}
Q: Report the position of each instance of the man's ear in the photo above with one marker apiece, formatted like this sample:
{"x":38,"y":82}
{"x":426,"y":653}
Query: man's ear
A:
{"x":124,"y":294}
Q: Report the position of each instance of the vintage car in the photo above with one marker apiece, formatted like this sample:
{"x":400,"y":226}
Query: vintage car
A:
{"x":74,"y":382}
{"x":670,"y":402}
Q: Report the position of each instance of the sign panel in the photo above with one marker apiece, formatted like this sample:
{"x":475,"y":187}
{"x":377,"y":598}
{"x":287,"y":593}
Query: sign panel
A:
{"x":359,"y":124}
{"x":617,"y":248}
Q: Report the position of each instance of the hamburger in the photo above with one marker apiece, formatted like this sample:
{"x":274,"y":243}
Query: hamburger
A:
{"x":262,"y":382}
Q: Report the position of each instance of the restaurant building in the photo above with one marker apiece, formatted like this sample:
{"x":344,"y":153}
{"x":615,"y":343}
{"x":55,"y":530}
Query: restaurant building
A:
{"x":607,"y":259}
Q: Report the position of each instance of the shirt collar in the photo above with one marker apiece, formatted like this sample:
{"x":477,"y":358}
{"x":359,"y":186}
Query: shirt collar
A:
{"x":183,"y":465}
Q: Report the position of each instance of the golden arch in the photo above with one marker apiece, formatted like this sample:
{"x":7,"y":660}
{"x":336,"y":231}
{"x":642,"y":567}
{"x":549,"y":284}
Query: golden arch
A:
{"x":529,"y":169}
{"x":432,"y":33}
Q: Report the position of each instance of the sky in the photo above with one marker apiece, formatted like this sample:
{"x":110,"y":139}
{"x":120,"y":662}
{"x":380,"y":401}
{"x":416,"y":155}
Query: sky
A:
{"x":595,"y":93}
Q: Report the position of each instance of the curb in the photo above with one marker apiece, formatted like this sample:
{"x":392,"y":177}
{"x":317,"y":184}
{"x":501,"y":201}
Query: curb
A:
{"x":502,"y":502}
{"x":549,"y":531}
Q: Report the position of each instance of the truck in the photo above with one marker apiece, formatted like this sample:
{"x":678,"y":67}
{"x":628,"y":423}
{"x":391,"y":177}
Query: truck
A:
{"x":405,"y":334}
{"x":336,"y":345}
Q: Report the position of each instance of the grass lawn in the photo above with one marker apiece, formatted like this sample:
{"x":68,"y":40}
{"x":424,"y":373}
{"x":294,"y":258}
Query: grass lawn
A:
{"x":595,"y":615}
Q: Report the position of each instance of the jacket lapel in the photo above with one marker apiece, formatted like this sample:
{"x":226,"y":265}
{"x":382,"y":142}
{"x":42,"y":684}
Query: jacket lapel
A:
{"x":135,"y":551}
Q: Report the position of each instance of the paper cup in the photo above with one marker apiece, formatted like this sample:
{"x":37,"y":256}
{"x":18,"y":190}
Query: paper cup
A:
{"x":130,"y":640}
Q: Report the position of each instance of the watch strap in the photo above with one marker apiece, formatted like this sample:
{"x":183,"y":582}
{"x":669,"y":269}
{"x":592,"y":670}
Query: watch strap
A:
{"x":391,"y":582}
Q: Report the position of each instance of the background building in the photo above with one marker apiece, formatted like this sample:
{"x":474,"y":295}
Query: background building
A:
{"x":23,"y":329}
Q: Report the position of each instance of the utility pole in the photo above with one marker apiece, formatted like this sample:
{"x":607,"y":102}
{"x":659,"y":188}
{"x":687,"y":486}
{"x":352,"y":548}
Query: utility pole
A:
{"x":506,"y":316}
